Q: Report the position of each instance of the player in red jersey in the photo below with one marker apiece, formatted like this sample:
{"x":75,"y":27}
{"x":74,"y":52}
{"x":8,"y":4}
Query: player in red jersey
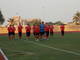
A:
{"x":33,"y":28}
{"x":20,"y":27}
{"x":46,"y":28}
{"x":51,"y":29}
{"x":28,"y":31}
{"x":36,"y":29}
{"x":62,"y":27}
{"x":11,"y":30}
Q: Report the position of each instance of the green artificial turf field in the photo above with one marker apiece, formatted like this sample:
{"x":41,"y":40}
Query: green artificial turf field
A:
{"x":56,"y":48}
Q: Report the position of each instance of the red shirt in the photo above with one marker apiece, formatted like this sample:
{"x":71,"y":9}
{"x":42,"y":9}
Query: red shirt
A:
{"x":11,"y":29}
{"x":28,"y":28}
{"x":62,"y":27}
{"x":36,"y":29}
{"x":20,"y":28}
{"x":46,"y":28}
{"x":51,"y":28}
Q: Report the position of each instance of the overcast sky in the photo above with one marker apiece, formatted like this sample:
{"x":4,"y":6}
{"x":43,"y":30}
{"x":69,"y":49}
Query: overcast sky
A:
{"x":47,"y":10}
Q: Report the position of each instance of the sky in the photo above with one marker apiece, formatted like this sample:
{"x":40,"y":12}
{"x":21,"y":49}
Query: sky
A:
{"x":47,"y":10}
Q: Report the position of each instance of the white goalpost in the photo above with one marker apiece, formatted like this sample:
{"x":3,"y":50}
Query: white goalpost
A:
{"x":3,"y":56}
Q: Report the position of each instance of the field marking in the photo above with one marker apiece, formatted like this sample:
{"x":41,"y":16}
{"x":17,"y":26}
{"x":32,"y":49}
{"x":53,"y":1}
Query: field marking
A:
{"x":3,"y":55}
{"x":58,"y":49}
{"x":20,"y":52}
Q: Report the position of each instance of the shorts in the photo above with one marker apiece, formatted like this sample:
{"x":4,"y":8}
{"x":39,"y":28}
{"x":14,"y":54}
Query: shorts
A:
{"x":41,"y":33}
{"x":62,"y":33}
{"x":37,"y":33}
{"x":47,"y":33}
{"x":20,"y":34}
{"x":11,"y":33}
{"x":27,"y":33}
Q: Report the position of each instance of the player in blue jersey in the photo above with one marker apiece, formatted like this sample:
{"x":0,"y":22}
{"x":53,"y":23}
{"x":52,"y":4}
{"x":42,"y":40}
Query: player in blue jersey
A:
{"x":42,"y":30}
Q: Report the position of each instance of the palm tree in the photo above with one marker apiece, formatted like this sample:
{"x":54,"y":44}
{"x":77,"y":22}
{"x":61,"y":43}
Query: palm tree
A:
{"x":1,"y":18}
{"x":76,"y":18}
{"x":11,"y":21}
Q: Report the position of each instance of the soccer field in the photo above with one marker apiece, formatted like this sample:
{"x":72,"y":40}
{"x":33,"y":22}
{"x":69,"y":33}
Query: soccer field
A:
{"x":56,"y":48}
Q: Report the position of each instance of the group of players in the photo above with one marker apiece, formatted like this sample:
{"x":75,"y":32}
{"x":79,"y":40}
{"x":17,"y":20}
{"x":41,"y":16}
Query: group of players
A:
{"x":40,"y":31}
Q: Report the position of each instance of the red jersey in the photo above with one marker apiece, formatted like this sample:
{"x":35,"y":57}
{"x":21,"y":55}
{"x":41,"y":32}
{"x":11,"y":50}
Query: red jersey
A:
{"x":62,"y":27}
{"x":46,"y":28}
{"x":51,"y":28}
{"x":28,"y":28}
{"x":11,"y":29}
{"x":36,"y":28}
{"x":20,"y":28}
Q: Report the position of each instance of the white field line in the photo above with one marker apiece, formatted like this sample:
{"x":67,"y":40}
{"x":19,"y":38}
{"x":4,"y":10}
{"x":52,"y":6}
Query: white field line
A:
{"x":18,"y":51}
{"x":58,"y":49}
{"x":3,"y":55}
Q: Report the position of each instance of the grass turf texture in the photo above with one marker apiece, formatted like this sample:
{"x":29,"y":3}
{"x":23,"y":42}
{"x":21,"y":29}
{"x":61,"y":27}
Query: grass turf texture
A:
{"x":37,"y":50}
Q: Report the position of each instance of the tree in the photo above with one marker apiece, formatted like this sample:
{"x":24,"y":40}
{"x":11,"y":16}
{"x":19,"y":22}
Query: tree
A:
{"x":11,"y":21}
{"x":50,"y":23}
{"x":35,"y":21}
{"x":1,"y":18}
{"x":76,"y":18}
{"x":58,"y":23}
